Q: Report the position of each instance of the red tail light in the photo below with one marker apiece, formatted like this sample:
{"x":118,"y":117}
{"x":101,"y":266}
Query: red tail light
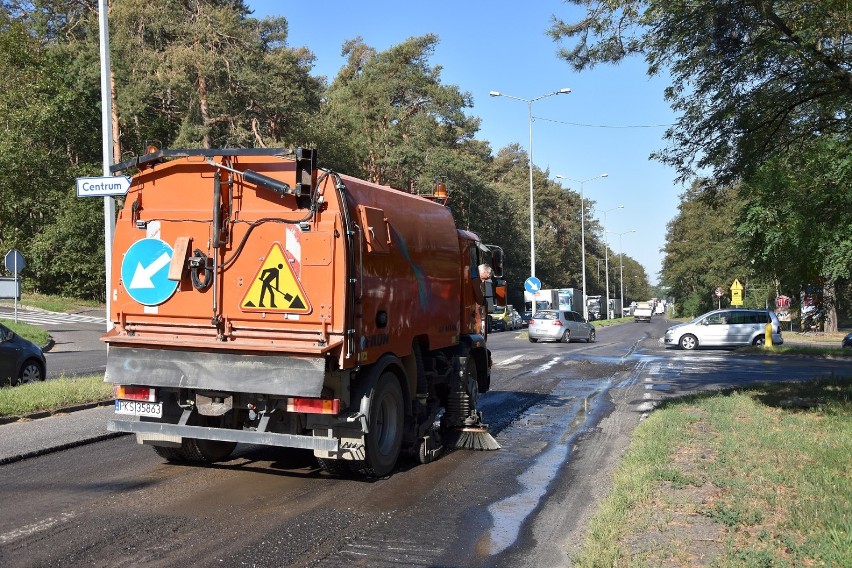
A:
{"x":557,"y":322}
{"x":314,"y":405}
{"x":144,"y":394}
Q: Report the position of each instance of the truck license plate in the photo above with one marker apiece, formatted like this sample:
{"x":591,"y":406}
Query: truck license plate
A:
{"x":137,"y":408}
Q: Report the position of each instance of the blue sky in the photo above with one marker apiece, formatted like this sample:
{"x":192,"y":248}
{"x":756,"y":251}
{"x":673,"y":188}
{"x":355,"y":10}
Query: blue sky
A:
{"x":613,"y":119}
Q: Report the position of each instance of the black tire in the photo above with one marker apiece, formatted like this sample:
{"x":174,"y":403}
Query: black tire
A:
{"x":31,"y":371}
{"x":688,"y":342}
{"x":174,"y":455}
{"x":759,"y":341}
{"x":591,"y":338}
{"x":197,"y":451}
{"x":566,"y":337}
{"x":386,"y":422}
{"x":533,"y":340}
{"x":207,"y":451}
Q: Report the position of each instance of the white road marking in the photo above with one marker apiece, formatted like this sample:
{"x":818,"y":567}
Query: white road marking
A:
{"x":36,"y":527}
{"x":510,"y":360}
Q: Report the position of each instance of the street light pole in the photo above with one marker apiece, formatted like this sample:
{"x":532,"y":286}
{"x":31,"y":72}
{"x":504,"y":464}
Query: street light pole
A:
{"x":583,"y":233}
{"x":529,"y":102}
{"x":621,"y":264}
{"x":606,"y":257}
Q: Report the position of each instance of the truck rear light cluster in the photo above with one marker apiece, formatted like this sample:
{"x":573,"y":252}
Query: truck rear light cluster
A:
{"x":314,"y":405}
{"x":145,"y":394}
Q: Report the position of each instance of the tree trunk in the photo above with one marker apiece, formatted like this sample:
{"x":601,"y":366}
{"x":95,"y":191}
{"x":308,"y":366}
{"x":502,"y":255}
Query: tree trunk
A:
{"x":830,"y":305}
{"x":116,"y":131}
{"x":205,"y":111}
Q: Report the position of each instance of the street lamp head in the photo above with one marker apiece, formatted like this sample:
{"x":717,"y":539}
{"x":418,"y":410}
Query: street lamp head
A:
{"x":604,"y":175}
{"x":563,"y":91}
{"x":495,"y":93}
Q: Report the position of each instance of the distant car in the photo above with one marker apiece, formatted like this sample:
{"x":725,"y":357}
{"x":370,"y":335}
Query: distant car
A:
{"x":847,"y":341}
{"x":725,"y":328}
{"x":525,"y":319}
{"x":560,"y":325}
{"x":21,"y":361}
{"x":501,"y":318}
{"x":517,"y":322}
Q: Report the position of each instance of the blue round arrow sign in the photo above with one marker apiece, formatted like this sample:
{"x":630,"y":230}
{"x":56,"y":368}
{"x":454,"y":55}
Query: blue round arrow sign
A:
{"x":145,"y":271}
{"x":532,"y":285}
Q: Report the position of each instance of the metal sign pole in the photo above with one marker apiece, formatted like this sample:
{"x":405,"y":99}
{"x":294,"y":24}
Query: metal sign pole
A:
{"x":107,"y":151}
{"x":17,"y":285}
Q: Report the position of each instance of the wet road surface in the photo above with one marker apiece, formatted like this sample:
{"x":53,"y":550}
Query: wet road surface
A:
{"x":563,"y":414}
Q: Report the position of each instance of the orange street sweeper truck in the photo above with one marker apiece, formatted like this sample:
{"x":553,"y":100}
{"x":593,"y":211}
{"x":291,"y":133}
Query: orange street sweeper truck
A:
{"x":259,"y":299}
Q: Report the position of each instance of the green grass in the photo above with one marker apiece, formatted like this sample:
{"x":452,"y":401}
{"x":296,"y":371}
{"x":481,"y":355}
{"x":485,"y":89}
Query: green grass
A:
{"x":53,"y":395}
{"x":756,"y":477}
{"x":35,"y":334}
{"x":58,"y":303}
{"x":806,"y":350}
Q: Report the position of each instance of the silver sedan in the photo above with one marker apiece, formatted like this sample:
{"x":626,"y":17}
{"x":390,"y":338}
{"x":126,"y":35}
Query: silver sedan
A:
{"x":560,"y":325}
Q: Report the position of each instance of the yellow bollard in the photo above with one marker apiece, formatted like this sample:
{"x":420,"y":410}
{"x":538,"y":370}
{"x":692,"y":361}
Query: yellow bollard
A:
{"x":768,"y":335}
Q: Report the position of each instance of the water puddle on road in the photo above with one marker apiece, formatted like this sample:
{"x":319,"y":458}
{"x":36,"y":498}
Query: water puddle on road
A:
{"x":550,"y":427}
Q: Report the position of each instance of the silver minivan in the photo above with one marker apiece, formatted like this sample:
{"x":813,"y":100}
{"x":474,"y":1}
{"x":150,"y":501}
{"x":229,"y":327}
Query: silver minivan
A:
{"x":560,"y":325}
{"x":732,"y":327}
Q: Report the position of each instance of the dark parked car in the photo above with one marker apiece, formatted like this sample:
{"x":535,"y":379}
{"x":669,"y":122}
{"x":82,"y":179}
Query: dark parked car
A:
{"x":21,"y":361}
{"x":847,"y":341}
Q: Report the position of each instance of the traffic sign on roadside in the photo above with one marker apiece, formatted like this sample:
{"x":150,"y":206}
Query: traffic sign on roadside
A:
{"x":15,"y":261}
{"x":532,"y":285}
{"x":102,"y":186}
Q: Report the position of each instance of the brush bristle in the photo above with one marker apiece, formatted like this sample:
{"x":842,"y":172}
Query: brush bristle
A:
{"x":476,"y":439}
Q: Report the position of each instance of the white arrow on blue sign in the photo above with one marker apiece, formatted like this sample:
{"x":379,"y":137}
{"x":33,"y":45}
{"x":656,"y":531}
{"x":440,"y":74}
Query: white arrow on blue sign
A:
{"x":532,"y":285}
{"x":102,"y":186}
{"x":145,"y":274}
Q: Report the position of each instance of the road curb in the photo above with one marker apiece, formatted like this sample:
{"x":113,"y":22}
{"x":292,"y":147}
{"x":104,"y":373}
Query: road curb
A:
{"x":59,"y":448}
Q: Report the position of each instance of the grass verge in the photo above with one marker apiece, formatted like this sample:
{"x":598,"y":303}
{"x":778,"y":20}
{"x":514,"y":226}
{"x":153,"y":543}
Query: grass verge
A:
{"x":53,"y":395}
{"x":802,"y":350}
{"x":754,"y":477}
{"x":57,"y":303}
{"x":33,"y":333}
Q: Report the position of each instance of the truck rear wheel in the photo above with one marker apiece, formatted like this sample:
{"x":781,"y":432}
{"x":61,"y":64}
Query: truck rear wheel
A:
{"x":384,"y":439}
{"x":195,"y":450}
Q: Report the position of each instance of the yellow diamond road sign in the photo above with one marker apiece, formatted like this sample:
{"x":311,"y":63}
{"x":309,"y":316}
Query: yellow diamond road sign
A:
{"x":275,"y":287}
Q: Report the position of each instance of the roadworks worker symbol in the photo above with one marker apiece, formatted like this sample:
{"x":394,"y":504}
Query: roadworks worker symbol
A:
{"x":275,"y":287}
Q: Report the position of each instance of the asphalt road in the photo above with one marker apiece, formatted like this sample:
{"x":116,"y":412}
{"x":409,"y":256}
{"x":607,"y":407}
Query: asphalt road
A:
{"x":563,"y":414}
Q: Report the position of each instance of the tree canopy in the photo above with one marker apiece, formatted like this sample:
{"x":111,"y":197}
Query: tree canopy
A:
{"x":763,"y":93}
{"x":750,"y":79}
{"x":205,"y":73}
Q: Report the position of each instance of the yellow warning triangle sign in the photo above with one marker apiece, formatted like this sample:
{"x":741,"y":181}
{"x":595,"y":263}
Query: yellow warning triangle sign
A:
{"x":275,"y":287}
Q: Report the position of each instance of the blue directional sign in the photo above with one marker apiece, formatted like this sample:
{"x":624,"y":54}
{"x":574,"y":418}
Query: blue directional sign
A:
{"x":532,"y":284}
{"x":145,"y":271}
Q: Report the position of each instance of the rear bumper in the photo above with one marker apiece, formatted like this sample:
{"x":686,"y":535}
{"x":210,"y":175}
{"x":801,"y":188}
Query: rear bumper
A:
{"x":173,"y":432}
{"x":283,"y":375}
